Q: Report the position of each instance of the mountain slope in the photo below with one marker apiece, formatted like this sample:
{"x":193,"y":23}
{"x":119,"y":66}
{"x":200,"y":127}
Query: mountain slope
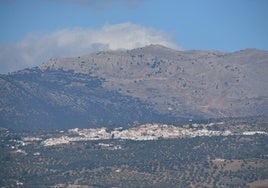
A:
{"x":205,"y":83}
{"x":59,"y":99}
{"x":147,"y":84}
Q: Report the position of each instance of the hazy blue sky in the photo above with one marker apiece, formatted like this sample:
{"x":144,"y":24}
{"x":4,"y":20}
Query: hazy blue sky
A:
{"x":33,"y":31}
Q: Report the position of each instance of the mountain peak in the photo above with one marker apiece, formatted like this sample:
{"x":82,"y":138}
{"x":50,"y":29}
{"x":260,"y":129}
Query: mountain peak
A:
{"x":156,"y":47}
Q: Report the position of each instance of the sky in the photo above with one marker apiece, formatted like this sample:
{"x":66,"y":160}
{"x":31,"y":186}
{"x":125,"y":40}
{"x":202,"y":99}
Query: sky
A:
{"x":33,"y":31}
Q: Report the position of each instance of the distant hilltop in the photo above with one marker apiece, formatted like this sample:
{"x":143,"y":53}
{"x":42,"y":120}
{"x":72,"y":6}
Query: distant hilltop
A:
{"x":149,"y":84}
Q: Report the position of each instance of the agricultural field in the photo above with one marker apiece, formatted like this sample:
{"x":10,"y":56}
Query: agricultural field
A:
{"x":203,"y":161}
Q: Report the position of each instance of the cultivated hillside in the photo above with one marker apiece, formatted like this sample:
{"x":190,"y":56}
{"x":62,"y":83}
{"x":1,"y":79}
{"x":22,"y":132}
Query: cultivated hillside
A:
{"x":147,"y":84}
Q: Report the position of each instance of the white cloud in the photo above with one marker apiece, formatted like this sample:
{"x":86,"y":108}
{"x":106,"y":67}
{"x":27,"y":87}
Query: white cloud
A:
{"x":37,"y":48}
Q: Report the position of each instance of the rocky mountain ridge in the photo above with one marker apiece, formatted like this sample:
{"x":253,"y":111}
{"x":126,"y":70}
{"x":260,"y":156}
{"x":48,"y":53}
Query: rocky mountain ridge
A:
{"x":148,"y":84}
{"x":207,"y":80}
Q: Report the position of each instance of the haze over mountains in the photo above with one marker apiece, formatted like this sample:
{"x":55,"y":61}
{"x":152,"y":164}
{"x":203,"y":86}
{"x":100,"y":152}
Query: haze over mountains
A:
{"x":149,"y":84}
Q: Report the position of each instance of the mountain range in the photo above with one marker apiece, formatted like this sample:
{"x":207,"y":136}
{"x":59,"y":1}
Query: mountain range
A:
{"x":146,"y":85}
